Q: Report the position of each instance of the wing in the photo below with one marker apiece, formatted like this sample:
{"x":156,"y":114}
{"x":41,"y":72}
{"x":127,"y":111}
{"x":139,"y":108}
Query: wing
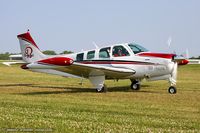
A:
{"x":87,"y":70}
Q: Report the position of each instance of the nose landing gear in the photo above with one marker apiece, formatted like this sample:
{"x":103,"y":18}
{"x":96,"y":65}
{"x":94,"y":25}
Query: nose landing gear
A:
{"x":172,"y":90}
{"x":172,"y":79}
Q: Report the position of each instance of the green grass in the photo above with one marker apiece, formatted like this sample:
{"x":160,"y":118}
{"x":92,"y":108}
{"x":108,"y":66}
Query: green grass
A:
{"x":40,"y":101}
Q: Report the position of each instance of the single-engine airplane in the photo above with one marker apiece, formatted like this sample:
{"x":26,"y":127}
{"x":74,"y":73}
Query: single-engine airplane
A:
{"x":118,"y":61}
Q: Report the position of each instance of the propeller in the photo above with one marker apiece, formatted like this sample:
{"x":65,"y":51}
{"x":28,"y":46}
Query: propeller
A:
{"x":182,"y":59}
{"x":187,"y":54}
{"x":169,"y":41}
{"x":174,"y":73}
{"x":175,"y":67}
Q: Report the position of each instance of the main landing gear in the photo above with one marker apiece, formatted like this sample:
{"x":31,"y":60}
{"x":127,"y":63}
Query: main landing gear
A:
{"x":102,"y":89}
{"x":135,"y":85}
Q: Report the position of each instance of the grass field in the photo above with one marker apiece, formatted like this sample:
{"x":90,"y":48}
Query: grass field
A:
{"x":40,"y":102}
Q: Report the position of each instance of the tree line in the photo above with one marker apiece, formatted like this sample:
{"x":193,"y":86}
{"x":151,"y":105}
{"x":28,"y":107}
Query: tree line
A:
{"x":5,"y":56}
{"x":195,"y":57}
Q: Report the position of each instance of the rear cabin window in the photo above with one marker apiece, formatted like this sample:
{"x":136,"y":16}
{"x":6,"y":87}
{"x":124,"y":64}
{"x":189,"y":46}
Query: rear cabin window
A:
{"x":119,"y":51}
{"x":90,"y":55}
{"x":104,"y":52}
{"x":79,"y":57}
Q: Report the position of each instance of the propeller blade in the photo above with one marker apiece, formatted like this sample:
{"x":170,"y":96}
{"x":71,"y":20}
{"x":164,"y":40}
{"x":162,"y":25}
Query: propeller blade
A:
{"x":174,"y":73}
{"x":169,"y":41}
{"x":187,"y":54}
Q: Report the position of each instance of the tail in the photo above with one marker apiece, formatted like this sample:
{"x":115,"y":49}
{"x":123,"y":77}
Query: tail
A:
{"x":29,"y":49}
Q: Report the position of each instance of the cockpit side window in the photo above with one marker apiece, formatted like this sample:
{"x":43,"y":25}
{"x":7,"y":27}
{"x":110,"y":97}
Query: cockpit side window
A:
{"x":119,"y":51}
{"x":104,"y":52}
{"x":137,"y":48}
{"x":90,"y":54}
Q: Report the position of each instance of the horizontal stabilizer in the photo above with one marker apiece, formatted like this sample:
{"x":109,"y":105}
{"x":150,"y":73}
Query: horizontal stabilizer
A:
{"x":13,"y":63}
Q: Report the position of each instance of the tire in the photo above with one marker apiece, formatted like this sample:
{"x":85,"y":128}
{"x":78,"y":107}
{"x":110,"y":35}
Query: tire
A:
{"x":135,"y":85}
{"x":172,"y":90}
{"x":103,"y":89}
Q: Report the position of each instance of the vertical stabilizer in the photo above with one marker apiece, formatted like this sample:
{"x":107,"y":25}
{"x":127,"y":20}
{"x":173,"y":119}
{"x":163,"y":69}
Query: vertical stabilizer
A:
{"x":29,"y":49}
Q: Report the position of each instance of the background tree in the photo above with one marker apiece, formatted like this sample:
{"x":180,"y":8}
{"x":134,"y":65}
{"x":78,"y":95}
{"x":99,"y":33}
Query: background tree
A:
{"x":195,"y":57}
{"x":66,"y":52}
{"x":49,"y":52}
{"x":4,"y":56}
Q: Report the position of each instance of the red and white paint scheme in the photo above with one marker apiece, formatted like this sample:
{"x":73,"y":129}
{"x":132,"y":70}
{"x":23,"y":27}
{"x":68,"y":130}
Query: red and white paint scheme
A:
{"x":118,"y":61}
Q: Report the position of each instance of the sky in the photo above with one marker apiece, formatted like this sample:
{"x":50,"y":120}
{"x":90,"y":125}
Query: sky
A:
{"x":75,"y":24}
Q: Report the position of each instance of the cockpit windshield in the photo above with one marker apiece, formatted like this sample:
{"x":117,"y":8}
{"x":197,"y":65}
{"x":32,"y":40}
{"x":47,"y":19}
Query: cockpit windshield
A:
{"x":137,"y":48}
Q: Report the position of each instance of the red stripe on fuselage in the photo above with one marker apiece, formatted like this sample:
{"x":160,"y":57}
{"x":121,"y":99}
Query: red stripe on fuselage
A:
{"x":160,"y":55}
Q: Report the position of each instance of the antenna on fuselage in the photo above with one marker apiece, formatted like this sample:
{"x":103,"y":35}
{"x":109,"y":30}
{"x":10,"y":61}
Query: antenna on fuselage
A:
{"x":95,"y":45}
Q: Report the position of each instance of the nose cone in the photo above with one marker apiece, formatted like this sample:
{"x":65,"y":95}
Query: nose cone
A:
{"x":183,"y":62}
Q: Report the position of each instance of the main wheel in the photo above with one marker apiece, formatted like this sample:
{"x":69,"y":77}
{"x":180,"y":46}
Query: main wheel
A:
{"x":172,"y":90}
{"x":135,"y":85}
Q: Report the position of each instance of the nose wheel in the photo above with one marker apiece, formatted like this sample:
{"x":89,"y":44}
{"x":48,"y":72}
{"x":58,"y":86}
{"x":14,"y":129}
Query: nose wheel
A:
{"x":172,"y":90}
{"x":135,"y":85}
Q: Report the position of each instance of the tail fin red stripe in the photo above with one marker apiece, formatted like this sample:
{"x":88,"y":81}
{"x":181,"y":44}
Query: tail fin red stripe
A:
{"x":27,"y":37}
